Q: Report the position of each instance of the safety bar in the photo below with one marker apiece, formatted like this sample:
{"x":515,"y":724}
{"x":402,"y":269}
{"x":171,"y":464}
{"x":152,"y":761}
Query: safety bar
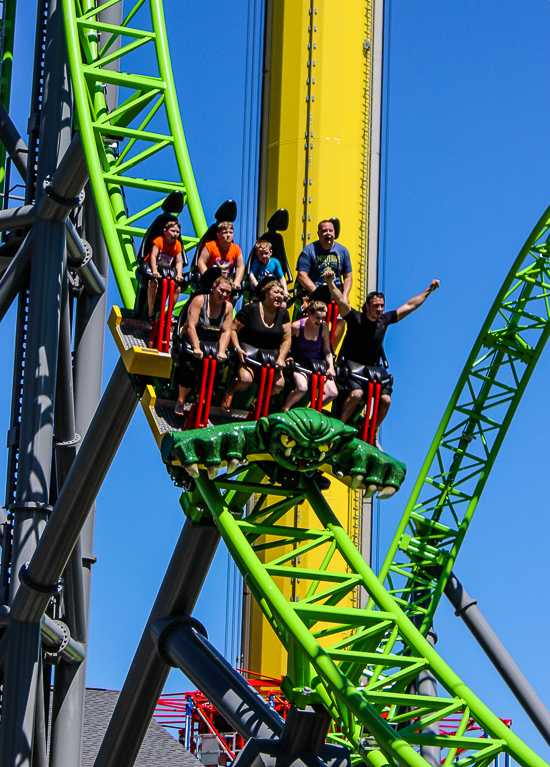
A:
{"x":160,"y":334}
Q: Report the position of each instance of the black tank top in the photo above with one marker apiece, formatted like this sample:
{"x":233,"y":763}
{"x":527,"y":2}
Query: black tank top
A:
{"x":209,"y":329}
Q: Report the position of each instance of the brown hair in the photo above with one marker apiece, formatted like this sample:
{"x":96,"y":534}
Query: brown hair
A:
{"x":325,"y":221}
{"x":268,"y":286}
{"x":222,"y":279}
{"x":315,"y":306}
{"x":224,"y":225}
{"x":170,"y":221}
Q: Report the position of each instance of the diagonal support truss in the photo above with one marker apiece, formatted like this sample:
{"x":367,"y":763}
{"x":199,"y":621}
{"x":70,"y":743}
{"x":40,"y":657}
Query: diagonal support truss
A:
{"x":447,"y":491}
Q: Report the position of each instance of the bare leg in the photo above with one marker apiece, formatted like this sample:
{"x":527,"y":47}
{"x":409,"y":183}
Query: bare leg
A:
{"x":240,"y":383}
{"x":350,"y":405}
{"x":330,"y":392}
{"x":383,"y":407}
{"x":151,"y":295}
{"x":300,"y":382}
{"x":184,"y":391}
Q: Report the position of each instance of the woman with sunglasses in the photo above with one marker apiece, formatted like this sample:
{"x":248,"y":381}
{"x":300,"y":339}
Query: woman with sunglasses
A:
{"x":208,"y":327}
{"x":311,"y":342}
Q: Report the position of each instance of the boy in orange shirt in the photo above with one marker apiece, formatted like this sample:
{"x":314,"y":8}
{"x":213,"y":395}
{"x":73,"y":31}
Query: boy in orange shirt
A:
{"x":165,"y":260}
{"x":223,"y":252}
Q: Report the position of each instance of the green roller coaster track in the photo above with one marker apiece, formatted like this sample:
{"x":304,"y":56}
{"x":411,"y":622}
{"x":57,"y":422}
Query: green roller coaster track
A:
{"x":121,"y":149}
{"x":331,"y":647}
{"x":469,"y":437}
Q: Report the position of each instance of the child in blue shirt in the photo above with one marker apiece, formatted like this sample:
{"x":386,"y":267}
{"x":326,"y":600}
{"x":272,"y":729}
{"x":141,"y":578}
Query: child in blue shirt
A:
{"x":264,"y":265}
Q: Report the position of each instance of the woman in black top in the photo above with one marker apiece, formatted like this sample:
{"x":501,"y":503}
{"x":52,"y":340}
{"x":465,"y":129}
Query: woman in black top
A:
{"x":262,"y":325}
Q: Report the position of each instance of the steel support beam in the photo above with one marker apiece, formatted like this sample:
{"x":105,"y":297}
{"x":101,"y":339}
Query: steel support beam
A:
{"x":77,"y":496}
{"x":70,"y":681}
{"x":16,"y":275}
{"x":182,"y":646}
{"x":467,"y":609}
{"x":178,"y":594}
{"x":13,"y":143}
{"x":35,"y":438}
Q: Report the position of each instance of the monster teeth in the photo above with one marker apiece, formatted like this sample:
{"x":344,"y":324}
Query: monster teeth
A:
{"x":387,"y":492}
{"x":192,"y":470}
{"x":288,"y":452}
{"x":356,"y":481}
{"x":212,"y":472}
{"x":232,"y":466}
{"x":370,"y":491}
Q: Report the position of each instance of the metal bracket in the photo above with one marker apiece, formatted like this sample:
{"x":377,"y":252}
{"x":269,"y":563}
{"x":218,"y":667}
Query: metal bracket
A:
{"x":51,"y":591}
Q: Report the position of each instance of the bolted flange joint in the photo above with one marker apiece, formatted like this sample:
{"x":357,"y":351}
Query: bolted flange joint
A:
{"x":163,"y":628}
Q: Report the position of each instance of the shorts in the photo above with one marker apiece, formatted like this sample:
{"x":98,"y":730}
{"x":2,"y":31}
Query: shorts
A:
{"x":315,"y":365}
{"x":375,"y":373}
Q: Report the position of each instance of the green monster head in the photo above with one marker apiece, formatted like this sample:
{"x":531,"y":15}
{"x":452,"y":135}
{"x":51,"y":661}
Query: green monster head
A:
{"x":303,"y":439}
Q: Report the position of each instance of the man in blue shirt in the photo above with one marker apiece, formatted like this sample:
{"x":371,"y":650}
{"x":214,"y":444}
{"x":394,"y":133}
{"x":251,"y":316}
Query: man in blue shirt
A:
{"x":319,"y":256}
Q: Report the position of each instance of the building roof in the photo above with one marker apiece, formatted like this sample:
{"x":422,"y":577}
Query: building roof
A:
{"x":159,"y":748}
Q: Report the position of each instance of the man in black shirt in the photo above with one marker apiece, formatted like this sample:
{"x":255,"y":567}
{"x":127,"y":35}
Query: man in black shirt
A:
{"x":364,"y":338}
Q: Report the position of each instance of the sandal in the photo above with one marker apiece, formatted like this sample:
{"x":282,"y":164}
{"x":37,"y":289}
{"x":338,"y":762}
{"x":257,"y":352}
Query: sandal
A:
{"x":179,"y":409}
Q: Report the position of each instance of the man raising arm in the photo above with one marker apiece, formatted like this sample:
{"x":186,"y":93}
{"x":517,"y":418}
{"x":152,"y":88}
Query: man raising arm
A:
{"x":364,"y":338}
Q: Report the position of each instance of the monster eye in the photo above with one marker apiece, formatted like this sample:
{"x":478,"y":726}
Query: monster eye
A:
{"x":325,"y":448}
{"x":287,"y":441}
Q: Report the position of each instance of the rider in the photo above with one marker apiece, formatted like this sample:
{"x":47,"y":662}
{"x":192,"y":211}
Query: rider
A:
{"x":264,"y":264}
{"x":223,"y":252}
{"x":364,"y":338}
{"x":319,"y":256}
{"x":310,"y":343}
{"x":165,"y":260}
{"x":208,"y":323}
{"x":263,"y":325}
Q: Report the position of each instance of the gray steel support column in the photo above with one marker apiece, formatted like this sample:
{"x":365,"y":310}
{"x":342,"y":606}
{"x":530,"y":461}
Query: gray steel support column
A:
{"x":181,"y":646}
{"x":426,"y":684}
{"x":178,"y":594}
{"x":35,"y":439}
{"x":76,"y":497}
{"x":70,"y":682}
{"x":40,"y":752}
{"x":50,"y":558}
{"x":467,"y":609}
{"x":21,"y":675}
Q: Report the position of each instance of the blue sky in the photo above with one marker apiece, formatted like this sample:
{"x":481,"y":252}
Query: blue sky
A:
{"x":468,"y":177}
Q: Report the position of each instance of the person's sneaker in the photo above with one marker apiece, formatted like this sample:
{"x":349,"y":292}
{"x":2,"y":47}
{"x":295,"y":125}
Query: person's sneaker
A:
{"x":377,"y":445}
{"x":152,"y":319}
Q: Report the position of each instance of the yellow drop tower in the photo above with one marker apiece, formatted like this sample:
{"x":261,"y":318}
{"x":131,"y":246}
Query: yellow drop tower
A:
{"x":320,"y":158}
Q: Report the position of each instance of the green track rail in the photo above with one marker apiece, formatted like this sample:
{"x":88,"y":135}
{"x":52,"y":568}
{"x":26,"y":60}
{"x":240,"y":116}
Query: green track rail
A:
{"x":466,"y":444}
{"x":329,"y":646}
{"x":126,"y":147}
